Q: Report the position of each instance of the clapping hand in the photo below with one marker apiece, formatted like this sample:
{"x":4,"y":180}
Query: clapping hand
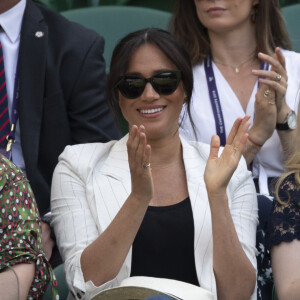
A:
{"x":219,"y":170}
{"x":139,"y":154}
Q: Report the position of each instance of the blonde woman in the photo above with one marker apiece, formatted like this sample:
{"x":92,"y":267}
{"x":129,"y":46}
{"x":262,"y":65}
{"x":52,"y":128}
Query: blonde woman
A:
{"x":285,"y":229}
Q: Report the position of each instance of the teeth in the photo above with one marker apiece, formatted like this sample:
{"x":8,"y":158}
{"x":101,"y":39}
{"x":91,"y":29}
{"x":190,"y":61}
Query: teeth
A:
{"x":151,"y":111}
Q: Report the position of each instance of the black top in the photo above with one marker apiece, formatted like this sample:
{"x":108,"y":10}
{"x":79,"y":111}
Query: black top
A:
{"x":164,"y":244}
{"x":284,"y":225}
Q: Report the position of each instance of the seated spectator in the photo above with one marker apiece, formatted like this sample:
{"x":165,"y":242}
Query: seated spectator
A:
{"x":24,"y":269}
{"x":189,"y":216}
{"x":285,"y":229}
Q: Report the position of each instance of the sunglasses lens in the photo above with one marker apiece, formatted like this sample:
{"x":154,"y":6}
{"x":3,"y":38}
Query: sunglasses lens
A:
{"x":132,"y":86}
{"x":166,"y":83}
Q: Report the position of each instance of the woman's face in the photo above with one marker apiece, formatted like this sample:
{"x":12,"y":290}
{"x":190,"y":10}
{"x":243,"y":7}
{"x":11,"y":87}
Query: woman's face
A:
{"x":224,"y":15}
{"x":158,"y":113}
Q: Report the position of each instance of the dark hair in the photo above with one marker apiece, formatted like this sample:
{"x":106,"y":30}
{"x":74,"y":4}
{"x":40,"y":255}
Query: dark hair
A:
{"x":270,"y":30}
{"x":161,"y":39}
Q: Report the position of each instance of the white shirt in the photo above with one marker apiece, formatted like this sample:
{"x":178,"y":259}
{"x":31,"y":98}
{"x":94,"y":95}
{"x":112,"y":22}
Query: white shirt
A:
{"x":269,"y":161}
{"x":91,"y":183}
{"x":11,"y":22}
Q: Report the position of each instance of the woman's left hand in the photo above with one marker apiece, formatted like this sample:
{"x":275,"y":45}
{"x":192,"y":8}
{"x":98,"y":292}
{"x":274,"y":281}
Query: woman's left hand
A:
{"x":276,"y":78}
{"x":219,"y":170}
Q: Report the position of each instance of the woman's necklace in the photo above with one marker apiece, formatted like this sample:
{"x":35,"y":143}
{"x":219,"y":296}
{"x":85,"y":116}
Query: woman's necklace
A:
{"x":235,"y":68}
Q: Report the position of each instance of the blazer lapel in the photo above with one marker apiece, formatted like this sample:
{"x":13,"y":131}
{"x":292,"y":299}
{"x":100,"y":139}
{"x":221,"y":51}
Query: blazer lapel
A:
{"x":112,"y":186}
{"x":112,"y":183}
{"x":32,"y":62}
{"x":195,"y":156}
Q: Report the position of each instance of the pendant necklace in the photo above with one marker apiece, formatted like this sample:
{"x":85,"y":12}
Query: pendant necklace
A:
{"x":235,"y":68}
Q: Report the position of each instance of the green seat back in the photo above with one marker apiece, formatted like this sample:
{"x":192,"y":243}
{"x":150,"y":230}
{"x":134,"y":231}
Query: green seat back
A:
{"x":291,"y":16}
{"x":62,"y":287}
{"x":114,"y":22}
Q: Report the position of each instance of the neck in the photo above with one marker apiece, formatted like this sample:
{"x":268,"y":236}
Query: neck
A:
{"x":234,"y":47}
{"x":166,"y":152}
{"x":5,"y":5}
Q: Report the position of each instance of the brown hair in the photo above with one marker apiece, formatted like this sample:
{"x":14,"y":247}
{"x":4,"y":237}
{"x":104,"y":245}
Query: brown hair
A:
{"x":164,"y":41}
{"x":269,"y":28}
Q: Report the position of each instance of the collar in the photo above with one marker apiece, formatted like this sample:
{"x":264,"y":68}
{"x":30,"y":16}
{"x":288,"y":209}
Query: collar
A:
{"x":11,"y":20}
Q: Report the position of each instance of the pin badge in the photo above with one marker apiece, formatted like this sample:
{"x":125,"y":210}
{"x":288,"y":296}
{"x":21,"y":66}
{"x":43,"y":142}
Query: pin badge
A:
{"x":39,"y":34}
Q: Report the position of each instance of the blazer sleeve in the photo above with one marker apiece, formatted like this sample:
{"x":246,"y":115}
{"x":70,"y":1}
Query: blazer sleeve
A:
{"x":73,"y":221}
{"x":90,"y":117}
{"x":244,"y":209}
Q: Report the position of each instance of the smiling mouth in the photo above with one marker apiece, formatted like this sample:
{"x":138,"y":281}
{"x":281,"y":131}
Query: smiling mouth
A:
{"x":150,"y":111}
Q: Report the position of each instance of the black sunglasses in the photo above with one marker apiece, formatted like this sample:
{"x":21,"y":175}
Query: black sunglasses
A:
{"x":164,"y":83}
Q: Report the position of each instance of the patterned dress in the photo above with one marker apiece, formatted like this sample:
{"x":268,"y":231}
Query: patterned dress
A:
{"x":285,"y":218}
{"x":20,"y":232}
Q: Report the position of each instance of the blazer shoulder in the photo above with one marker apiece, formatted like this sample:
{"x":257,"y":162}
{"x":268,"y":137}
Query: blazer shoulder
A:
{"x":84,"y":158}
{"x":61,"y":27}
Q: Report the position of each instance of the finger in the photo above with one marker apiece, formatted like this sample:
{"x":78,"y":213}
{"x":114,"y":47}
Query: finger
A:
{"x":147,"y":155}
{"x":274,"y":62}
{"x":132,"y":144}
{"x":274,"y":85}
{"x":140,"y":153}
{"x":214,"y":147}
{"x":280,"y":56}
{"x":271,"y":75}
{"x":233,"y":131}
{"x":240,"y":135}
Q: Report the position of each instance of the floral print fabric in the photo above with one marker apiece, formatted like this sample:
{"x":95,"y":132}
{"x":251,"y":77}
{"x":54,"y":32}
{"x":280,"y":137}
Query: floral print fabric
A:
{"x":20,"y":233}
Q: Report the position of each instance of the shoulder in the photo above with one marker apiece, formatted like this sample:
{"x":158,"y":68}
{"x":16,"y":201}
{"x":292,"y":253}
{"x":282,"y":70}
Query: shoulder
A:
{"x":83,"y":159}
{"x":59,"y":27}
{"x":292,"y":60}
{"x":198,"y":69}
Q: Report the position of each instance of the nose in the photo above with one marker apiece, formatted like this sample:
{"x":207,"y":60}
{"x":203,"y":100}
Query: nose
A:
{"x":149,"y":92}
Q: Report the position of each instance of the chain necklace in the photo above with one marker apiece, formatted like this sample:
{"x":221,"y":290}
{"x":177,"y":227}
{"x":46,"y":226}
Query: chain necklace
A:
{"x":235,"y":68}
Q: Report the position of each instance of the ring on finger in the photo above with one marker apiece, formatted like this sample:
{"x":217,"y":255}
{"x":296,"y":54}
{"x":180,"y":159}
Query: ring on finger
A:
{"x":146,"y":165}
{"x":267,"y":93}
{"x":272,"y":102}
{"x":278,"y":77}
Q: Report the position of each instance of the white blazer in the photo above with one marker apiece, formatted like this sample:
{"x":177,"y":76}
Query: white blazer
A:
{"x":92,"y":181}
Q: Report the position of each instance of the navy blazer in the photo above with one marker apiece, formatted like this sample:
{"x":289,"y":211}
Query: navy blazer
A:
{"x":62,"y":99}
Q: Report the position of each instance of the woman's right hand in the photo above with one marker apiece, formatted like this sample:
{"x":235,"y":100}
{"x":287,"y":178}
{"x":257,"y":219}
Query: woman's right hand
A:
{"x":139,"y":155}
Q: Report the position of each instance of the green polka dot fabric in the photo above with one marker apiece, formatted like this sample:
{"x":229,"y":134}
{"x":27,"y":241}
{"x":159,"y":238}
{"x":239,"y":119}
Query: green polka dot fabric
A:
{"x":20,"y":231}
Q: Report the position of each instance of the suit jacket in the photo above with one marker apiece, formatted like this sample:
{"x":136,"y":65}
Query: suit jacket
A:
{"x":62,"y":99}
{"x":92,"y":182}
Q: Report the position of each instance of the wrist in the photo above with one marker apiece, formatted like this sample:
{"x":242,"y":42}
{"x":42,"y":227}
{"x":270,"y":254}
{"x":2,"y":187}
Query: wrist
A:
{"x":282,"y":114}
{"x":253,"y":142}
{"x":256,"y":139}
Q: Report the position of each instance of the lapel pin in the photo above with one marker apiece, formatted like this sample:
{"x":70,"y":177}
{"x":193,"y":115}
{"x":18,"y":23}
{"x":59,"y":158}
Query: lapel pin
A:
{"x":39,"y":34}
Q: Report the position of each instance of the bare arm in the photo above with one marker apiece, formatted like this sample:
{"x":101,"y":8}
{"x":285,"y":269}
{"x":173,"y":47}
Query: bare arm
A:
{"x":235,"y":275}
{"x":16,"y":281}
{"x":286,"y":266}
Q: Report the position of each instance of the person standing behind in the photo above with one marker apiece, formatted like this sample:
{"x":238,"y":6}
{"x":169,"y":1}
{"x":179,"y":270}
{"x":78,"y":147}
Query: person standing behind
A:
{"x":58,"y":69}
{"x":239,"y":69}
